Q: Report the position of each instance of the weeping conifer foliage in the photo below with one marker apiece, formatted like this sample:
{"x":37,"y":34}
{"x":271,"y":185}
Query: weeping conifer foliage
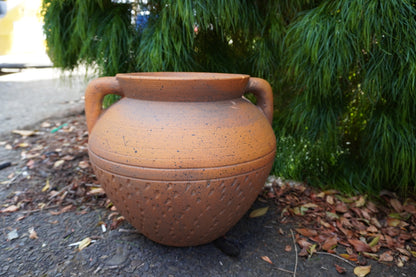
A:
{"x":354,"y":64}
{"x":343,"y":72}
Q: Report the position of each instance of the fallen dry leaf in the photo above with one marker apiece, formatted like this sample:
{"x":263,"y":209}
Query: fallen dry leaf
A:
{"x":266,"y":259}
{"x":96,"y":191}
{"x":30,"y":164}
{"x":58,"y":163}
{"x":307,"y":232}
{"x":374,"y":242}
{"x":341,"y":207}
{"x":113,"y":214}
{"x":340,"y":269}
{"x":410,"y":208}
{"x":386,"y":256}
{"x":10,"y":209}
{"x":359,"y":245}
{"x":375,"y":222}
{"x":325,"y":224}
{"x":288,"y":248}
{"x":45,"y":124}
{"x":330,"y":243}
{"x":372,"y":229}
{"x":259,"y":212}
{"x":24,"y":133}
{"x":330,"y":200}
{"x":310,"y":206}
{"x":404,"y":258}
{"x":371,"y":256}
{"x":47,"y":186}
{"x":116,"y":222}
{"x":393,"y":222}
{"x":360,"y":202}
{"x":392,"y":231}
{"x":303,"y":252}
{"x":345,"y":222}
{"x":84,"y":243}
{"x":330,"y":191}
{"x":303,"y":243}
{"x":312,"y":249}
{"x":404,"y":251}
{"x":68,"y":158}
{"x":299,"y":210}
{"x":362,"y":271}
{"x":83,"y":164}
{"x":399,"y":263}
{"x":63,"y":210}
{"x":21,"y":217}
{"x":321,"y":195}
{"x":32,"y":233}
{"x":331,"y":216}
{"x":396,"y":205}
{"x":23,"y":145}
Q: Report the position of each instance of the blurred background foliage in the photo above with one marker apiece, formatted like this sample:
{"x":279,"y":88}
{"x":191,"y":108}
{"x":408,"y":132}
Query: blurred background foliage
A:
{"x":343,"y":72}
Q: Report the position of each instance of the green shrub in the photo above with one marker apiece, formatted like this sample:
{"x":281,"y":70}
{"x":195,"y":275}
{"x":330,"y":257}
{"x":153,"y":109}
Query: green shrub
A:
{"x":354,"y":63}
{"x":343,"y":72}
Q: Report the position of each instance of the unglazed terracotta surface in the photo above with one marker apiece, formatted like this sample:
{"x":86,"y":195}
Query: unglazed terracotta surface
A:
{"x":182,"y":155}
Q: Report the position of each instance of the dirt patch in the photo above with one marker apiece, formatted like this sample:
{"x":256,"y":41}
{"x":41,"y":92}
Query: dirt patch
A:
{"x":55,"y":203}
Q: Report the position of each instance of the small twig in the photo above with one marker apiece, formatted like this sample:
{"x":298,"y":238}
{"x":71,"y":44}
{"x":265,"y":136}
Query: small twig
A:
{"x":98,"y":269}
{"x":121,"y":230}
{"x":336,"y":256}
{"x":39,"y":210}
{"x":93,"y":185}
{"x":59,"y":192}
{"x":296,"y":252}
{"x":96,"y":237}
{"x":13,"y":179}
{"x":284,"y":270}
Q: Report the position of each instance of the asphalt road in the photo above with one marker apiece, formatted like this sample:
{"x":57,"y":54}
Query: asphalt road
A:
{"x":33,"y":95}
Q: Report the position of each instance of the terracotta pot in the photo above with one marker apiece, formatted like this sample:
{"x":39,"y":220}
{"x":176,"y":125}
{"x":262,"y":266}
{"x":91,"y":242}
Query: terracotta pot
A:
{"x":182,"y":156}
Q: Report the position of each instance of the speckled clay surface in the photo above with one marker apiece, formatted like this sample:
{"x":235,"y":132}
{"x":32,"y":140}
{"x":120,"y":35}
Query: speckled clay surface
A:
{"x":182,"y":155}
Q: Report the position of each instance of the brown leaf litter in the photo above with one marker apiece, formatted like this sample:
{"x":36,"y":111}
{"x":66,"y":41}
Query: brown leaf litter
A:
{"x":56,"y":175}
{"x":352,"y":227}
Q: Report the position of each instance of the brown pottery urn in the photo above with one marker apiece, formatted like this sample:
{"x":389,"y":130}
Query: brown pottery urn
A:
{"x":182,"y":155}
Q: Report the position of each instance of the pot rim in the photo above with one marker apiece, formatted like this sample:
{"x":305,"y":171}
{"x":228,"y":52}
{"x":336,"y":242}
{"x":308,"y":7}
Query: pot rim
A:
{"x":168,"y":75}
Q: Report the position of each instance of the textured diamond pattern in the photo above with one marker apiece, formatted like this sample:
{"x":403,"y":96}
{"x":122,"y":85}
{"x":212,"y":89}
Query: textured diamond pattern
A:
{"x":183,"y":213}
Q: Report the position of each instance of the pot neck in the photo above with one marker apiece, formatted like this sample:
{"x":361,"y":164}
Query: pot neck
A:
{"x":182,"y":86}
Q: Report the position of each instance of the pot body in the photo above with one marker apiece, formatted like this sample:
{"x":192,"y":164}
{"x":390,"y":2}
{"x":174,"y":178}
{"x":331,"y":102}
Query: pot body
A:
{"x":182,"y":156}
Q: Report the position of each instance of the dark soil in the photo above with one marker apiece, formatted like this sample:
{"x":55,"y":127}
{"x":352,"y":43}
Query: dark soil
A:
{"x":50,"y":190}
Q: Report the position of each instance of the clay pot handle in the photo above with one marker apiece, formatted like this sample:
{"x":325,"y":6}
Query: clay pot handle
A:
{"x":94,"y":95}
{"x":264,"y":95}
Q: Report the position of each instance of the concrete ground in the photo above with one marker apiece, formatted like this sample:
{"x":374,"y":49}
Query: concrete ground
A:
{"x":32,"y":95}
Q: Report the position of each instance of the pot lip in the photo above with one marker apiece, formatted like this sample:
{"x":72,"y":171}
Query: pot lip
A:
{"x":167,"y":75}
